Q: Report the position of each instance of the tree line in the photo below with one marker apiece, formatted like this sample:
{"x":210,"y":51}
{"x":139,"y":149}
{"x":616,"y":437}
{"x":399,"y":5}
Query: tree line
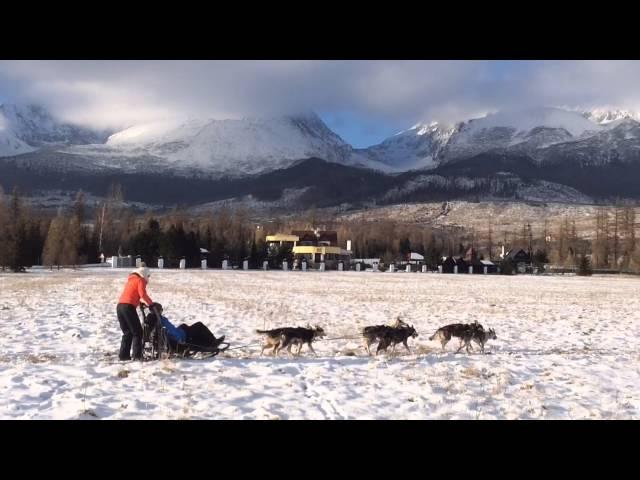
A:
{"x":79,"y":235}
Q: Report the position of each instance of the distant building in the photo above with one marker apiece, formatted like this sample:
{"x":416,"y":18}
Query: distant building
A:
{"x":472,"y":260}
{"x":313,"y":246}
{"x":519,"y":257}
{"x":369,"y":262}
{"x":449,"y":263}
{"x":490,"y":266}
{"x":415,"y":258}
{"x":280,"y":239}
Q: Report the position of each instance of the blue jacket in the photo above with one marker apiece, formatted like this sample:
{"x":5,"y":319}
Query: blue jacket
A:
{"x":173,"y":332}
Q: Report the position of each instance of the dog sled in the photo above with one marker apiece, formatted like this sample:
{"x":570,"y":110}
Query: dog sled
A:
{"x":157,"y":343}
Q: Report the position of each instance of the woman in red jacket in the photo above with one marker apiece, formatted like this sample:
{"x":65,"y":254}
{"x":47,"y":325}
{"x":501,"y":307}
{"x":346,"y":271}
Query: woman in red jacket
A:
{"x":134,"y":291}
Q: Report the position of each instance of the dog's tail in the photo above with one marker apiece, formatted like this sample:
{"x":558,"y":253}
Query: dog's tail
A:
{"x":262,"y":331}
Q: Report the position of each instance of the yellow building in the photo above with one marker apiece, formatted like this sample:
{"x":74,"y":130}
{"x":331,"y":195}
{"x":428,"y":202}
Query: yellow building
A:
{"x":317,"y":254}
{"x":314,"y":247}
{"x":281,"y":239}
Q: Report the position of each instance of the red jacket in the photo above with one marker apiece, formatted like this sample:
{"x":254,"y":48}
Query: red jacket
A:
{"x":134,"y":290}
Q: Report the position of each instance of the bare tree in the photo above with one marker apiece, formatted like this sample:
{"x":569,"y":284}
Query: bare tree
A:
{"x":616,"y":237}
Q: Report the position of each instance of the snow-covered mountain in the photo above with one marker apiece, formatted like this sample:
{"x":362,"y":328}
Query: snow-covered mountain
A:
{"x":603,"y":116}
{"x":235,"y":147}
{"x":419,"y":147}
{"x":257,"y":145}
{"x":11,"y":145}
{"x":522,"y":131}
{"x":619,"y":142}
{"x":552,"y":152}
{"x":35,"y":127}
{"x":531,"y":132}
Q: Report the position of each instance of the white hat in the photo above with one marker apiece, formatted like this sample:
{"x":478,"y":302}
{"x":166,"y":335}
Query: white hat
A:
{"x":142,"y":271}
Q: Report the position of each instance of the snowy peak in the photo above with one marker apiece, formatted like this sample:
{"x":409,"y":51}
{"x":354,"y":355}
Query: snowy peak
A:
{"x":605,"y":116}
{"x":415,"y":148}
{"x":10,"y":145}
{"x":527,"y":119}
{"x":429,"y":145}
{"x":33,"y":125}
{"x":232,"y":146}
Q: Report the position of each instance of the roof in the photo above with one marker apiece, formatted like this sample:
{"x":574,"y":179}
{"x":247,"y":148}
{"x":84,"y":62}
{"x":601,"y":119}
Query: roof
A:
{"x":330,"y":236}
{"x":416,"y":256}
{"x":282,"y":237}
{"x":204,"y":250}
{"x":514,"y":252}
{"x":487,"y":262}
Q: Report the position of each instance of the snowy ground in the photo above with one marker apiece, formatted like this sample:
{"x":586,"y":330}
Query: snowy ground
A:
{"x":567,"y":347}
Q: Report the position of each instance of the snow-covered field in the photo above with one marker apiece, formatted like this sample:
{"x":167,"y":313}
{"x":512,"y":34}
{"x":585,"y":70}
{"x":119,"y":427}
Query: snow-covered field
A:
{"x":567,"y":347}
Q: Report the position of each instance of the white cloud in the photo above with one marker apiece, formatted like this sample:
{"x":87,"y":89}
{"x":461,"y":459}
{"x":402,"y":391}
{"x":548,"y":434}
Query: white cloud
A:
{"x":119,"y":93}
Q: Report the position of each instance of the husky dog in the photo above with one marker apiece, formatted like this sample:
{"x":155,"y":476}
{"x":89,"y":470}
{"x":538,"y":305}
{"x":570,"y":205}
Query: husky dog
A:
{"x":372,"y":334}
{"x":463,"y":331}
{"x":279,"y":338}
{"x":387,"y":335}
{"x":396,"y":335}
{"x":466,"y":332}
{"x":481,"y":337}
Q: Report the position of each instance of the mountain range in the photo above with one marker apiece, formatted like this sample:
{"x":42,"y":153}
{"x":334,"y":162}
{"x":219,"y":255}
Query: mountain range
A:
{"x":542,"y":154}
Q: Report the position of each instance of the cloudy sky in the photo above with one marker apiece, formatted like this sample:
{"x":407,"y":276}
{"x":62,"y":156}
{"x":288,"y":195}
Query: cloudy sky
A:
{"x":363,"y":101}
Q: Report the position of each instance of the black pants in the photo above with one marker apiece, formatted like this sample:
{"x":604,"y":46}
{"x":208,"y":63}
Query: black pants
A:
{"x":131,"y":332}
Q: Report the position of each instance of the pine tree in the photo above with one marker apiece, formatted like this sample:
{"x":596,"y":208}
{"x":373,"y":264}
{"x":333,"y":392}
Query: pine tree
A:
{"x":253,"y":256}
{"x":584,"y":267}
{"x":16,"y":244}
